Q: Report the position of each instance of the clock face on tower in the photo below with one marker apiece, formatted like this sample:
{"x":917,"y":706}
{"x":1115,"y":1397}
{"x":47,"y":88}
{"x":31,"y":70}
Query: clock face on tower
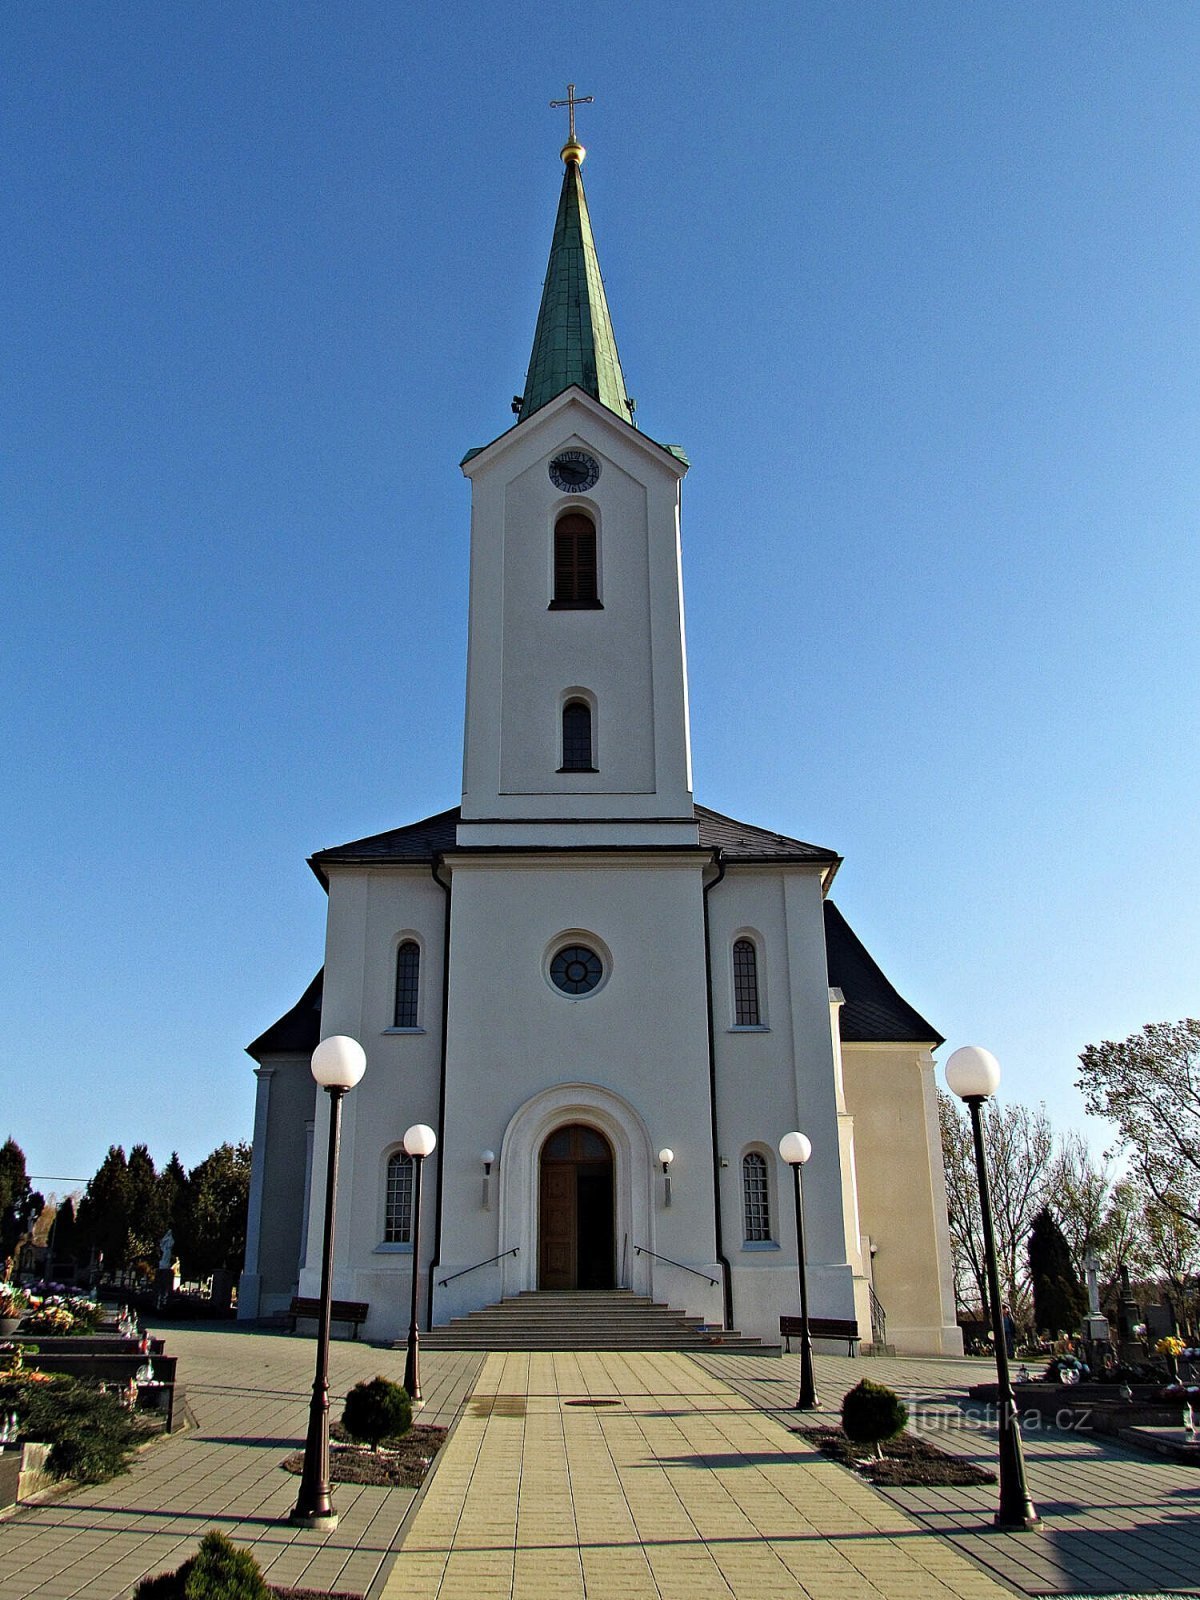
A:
{"x":574,"y":471}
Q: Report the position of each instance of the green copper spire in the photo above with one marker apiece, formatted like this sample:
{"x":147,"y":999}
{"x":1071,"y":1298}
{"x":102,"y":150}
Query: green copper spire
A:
{"x":574,"y":342}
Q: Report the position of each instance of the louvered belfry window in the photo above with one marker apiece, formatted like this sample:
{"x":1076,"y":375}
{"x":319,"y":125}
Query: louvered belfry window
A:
{"x":577,"y":737}
{"x":408,"y":973}
{"x":575,"y":561}
{"x":745,"y":985}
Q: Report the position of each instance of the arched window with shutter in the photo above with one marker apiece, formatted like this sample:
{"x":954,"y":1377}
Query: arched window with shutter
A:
{"x":577,"y":737}
{"x":575,"y":568}
{"x":397,"y":1206}
{"x":408,"y":984}
{"x":746,"y":1010}
{"x":756,"y":1200}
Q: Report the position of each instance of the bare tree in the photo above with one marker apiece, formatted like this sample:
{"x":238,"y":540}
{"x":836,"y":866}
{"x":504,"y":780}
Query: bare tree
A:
{"x":1080,"y":1192}
{"x":1018,"y":1148}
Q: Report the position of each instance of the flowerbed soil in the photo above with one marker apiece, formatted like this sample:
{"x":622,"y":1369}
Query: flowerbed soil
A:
{"x":400,"y":1464}
{"x":908,"y":1461}
{"x":313,"y":1594}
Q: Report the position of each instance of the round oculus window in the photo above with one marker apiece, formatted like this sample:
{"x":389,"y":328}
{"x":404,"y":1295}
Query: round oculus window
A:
{"x":576,"y":969}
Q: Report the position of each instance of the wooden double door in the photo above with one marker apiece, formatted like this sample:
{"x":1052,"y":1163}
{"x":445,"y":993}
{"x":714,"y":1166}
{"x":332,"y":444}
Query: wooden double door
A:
{"x":575,"y":1213}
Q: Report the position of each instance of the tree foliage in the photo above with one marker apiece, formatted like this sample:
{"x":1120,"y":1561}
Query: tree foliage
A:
{"x":214,"y":1211}
{"x":128,"y":1207}
{"x":1149,"y":1086}
{"x":1059,"y":1301}
{"x":20,"y":1205}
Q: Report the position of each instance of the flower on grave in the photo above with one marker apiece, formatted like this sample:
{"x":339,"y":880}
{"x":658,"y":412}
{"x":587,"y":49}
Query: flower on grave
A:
{"x":1170,"y":1346}
{"x":13,"y":1300}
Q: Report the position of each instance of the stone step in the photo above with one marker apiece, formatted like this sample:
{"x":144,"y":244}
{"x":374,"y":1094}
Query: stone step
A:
{"x":581,"y":1320}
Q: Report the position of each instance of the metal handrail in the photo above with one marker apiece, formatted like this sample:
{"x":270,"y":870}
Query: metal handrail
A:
{"x":515,"y":1251}
{"x":878,"y":1318}
{"x":640,"y":1250}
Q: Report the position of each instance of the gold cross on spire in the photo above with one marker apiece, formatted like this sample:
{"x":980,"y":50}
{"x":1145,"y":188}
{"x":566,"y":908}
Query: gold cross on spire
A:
{"x":571,"y":102}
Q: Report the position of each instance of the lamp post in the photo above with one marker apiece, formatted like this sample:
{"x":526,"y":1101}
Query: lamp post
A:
{"x":419,"y":1142}
{"x":337,"y":1064}
{"x":974,"y":1076}
{"x":795,"y":1150}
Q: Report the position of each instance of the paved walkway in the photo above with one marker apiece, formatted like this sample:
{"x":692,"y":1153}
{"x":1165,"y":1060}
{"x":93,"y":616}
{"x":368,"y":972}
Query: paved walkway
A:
{"x":691,"y":1485}
{"x":250,"y":1393}
{"x":1115,"y":1520}
{"x":644,"y":1477}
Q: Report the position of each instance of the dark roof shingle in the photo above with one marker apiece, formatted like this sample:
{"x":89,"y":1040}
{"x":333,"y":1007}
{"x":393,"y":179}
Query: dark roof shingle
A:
{"x":436,"y":835}
{"x":874,"y":1012}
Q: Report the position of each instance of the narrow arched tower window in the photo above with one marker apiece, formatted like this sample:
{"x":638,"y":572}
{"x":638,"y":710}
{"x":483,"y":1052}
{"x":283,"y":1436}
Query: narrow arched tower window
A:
{"x":575,"y":561}
{"x":756,"y":1204}
{"x":408,"y":976}
{"x":397,"y":1211}
{"x":746,"y":1012}
{"x":577,"y":737}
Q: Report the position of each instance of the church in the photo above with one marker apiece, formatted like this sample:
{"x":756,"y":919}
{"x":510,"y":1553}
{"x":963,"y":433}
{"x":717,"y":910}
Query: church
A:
{"x":608,"y":1001}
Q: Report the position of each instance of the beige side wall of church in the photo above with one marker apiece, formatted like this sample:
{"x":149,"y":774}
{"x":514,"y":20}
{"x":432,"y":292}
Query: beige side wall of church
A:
{"x":890,"y":1093}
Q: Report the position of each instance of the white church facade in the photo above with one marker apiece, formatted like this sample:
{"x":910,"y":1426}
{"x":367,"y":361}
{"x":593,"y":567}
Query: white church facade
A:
{"x":580,"y":967}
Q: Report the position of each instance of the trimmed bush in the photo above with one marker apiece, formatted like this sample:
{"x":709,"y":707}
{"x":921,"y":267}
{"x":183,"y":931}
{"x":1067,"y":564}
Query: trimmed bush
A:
{"x":871,"y":1413}
{"x":91,"y":1434}
{"x":377,"y":1410}
{"x":218,"y":1571}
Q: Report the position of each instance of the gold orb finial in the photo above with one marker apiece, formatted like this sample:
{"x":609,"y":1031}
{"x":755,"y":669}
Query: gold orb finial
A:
{"x":572,"y":151}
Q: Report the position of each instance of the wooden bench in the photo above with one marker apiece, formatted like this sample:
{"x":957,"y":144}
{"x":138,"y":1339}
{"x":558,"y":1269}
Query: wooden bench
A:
{"x":823,"y":1328}
{"x":352,"y":1311}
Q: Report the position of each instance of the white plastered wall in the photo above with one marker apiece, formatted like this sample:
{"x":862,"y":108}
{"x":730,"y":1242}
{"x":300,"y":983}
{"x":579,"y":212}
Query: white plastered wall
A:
{"x":370,"y":910}
{"x":781,"y":1076}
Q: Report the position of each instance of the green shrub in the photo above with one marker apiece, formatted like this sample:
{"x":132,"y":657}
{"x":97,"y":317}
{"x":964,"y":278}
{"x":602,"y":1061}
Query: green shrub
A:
{"x":377,"y":1410}
{"x":218,"y":1571}
{"x":90,"y":1433}
{"x":871,"y":1413}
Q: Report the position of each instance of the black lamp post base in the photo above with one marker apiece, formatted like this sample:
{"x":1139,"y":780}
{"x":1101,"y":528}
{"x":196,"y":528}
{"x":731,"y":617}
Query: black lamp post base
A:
{"x":1029,"y":1524}
{"x":323,"y":1522}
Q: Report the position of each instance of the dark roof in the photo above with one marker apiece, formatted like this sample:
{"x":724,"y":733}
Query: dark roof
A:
{"x":419,"y":841}
{"x":436,"y":835}
{"x":298,"y":1031}
{"x":741,"y":841}
{"x":873,"y":1011}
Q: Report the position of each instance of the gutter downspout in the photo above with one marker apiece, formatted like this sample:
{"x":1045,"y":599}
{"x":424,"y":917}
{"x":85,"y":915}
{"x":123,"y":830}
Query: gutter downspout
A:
{"x":438,"y":861}
{"x":719,"y":863}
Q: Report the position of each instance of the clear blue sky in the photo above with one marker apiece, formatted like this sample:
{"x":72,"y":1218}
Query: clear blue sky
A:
{"x":917,"y":286}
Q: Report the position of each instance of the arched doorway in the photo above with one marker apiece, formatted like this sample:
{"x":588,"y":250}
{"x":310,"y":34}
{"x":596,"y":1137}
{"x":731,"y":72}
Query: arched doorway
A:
{"x":575,"y":1212}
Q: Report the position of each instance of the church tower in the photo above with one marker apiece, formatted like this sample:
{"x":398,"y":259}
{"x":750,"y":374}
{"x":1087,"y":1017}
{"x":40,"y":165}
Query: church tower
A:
{"x":576,"y":675}
{"x":608,"y":1001}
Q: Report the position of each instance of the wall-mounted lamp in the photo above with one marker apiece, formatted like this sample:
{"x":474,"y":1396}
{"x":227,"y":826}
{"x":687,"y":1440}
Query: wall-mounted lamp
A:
{"x":487,"y":1158}
{"x":666,"y":1157}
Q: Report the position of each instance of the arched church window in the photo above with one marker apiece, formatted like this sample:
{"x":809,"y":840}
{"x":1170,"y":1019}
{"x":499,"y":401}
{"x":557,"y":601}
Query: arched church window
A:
{"x":397,"y":1211}
{"x":746,"y":1012}
{"x":408,"y":975}
{"x":575,"y":569}
{"x":577,"y":737}
{"x":756,"y":1203}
